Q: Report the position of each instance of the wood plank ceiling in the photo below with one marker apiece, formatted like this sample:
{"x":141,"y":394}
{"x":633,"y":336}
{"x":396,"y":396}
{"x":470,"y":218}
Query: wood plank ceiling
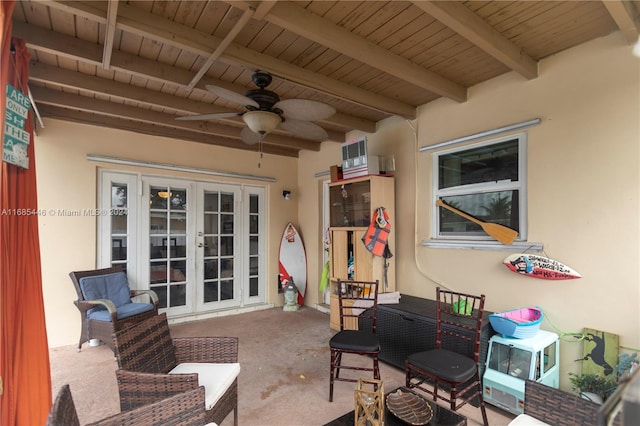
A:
{"x":137,"y":65}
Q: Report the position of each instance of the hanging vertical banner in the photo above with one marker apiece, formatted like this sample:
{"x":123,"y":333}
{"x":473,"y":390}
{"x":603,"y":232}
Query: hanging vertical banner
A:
{"x":16,"y":138}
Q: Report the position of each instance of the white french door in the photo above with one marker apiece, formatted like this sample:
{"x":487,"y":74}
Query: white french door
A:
{"x":200,"y":245}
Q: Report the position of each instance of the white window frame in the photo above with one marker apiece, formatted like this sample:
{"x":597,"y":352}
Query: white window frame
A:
{"x":480,"y":241}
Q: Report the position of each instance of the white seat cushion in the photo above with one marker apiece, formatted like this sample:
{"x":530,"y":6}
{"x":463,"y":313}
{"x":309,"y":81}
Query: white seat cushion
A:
{"x":526,"y":420}
{"x":216,"y":378}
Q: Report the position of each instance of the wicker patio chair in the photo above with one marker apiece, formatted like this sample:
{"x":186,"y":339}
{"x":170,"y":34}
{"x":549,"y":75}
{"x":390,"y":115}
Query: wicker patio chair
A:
{"x":153,"y":366}
{"x":557,"y":407}
{"x":105,"y":305}
{"x":183,"y":409}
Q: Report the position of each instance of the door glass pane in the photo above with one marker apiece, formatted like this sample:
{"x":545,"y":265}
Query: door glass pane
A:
{"x":168,"y":244}
{"x":254,"y":246}
{"x":118,"y":195}
{"x":210,"y":223}
{"x":211,"y":202}
{"x":226,"y":290}
{"x":218,"y":246}
{"x":119,"y":224}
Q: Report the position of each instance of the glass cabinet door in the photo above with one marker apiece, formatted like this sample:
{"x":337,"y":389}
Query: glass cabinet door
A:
{"x":350,"y":204}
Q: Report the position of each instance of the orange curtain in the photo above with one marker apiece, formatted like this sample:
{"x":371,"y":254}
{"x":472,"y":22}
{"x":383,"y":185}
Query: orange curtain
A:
{"x":24,"y":352}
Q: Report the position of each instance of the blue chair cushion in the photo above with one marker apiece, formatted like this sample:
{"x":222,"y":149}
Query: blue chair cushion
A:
{"x":114,"y":287}
{"x":124,"y":311}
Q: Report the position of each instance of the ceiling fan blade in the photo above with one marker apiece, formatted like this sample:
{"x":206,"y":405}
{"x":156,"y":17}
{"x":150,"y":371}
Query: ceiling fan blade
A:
{"x":232,"y":96}
{"x":209,"y":116}
{"x":305,"y":109}
{"x":304,"y":129}
{"x":248,"y":136}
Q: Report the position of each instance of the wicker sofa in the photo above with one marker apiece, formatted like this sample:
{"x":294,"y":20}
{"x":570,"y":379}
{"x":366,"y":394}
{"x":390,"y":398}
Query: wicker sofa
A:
{"x":555,"y":407}
{"x":184,"y":409}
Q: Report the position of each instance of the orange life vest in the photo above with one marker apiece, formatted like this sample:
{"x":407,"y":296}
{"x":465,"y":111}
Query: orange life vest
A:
{"x":375,"y":239}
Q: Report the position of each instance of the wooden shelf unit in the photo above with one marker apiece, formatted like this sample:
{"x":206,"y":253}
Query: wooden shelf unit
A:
{"x":352,"y":203}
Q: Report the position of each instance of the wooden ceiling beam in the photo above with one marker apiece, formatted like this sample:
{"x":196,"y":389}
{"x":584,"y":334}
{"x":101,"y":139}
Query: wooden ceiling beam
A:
{"x":60,"y":113}
{"x":626,"y":16}
{"x":145,"y":24}
{"x":45,"y":40}
{"x":109,"y":34}
{"x":58,"y":44}
{"x":90,"y":104}
{"x":463,"y":21}
{"x":294,"y":18}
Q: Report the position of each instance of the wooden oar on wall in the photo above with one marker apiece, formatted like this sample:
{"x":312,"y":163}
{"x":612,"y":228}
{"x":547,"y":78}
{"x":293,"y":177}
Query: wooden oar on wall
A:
{"x":499,"y":232}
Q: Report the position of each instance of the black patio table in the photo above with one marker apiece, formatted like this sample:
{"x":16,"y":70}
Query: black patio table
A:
{"x":441,"y":416}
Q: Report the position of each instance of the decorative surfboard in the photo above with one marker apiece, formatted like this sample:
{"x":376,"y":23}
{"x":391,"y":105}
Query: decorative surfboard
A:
{"x":293,"y":261}
{"x":539,"y":267}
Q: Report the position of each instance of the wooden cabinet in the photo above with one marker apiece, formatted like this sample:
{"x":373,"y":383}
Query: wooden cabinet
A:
{"x":351,"y":206}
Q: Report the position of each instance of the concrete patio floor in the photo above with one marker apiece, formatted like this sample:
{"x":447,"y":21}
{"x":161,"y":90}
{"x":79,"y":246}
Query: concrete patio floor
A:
{"x":284,"y":380}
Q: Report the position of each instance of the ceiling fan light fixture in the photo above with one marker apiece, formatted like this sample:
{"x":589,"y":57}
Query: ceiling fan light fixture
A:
{"x":261,"y":122}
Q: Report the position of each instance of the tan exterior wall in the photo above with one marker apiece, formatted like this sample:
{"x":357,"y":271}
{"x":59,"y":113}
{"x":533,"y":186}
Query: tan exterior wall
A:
{"x":67,"y":180}
{"x":583,"y":188}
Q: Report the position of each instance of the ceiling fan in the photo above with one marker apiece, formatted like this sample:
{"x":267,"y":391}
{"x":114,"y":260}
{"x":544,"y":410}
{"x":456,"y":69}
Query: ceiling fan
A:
{"x":266,"y":112}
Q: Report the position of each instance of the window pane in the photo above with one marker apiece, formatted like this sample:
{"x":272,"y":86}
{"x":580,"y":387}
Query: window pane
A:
{"x":226,"y":202}
{"x":178,"y":271}
{"x":253,"y":204}
{"x":253,"y":245}
{"x":161,"y":291}
{"x":210,"y":246}
{"x":549,"y":357}
{"x":253,"y":287}
{"x":210,"y":223}
{"x":119,"y":222}
{"x":226,"y":268}
{"x":211,"y":201}
{"x":211,"y":291}
{"x":178,"y":199}
{"x":227,"y":223}
{"x":118,"y":195}
{"x":157,"y":248}
{"x":118,"y":248}
{"x":178,"y":295}
{"x":178,"y":223}
{"x":210,"y":269}
{"x":158,"y":196}
{"x":226,"y":246}
{"x":253,"y":224}
{"x":226,"y":290}
{"x":158,"y":222}
{"x":495,"y":207}
{"x":490,"y":163}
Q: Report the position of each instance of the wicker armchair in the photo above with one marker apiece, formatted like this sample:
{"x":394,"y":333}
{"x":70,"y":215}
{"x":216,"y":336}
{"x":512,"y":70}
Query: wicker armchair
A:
{"x":153,"y":366}
{"x":101,"y":317}
{"x":184,"y":409}
{"x":556,"y":407}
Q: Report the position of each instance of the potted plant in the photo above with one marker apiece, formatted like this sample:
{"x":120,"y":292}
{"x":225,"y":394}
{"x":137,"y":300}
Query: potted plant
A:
{"x":592,"y":386}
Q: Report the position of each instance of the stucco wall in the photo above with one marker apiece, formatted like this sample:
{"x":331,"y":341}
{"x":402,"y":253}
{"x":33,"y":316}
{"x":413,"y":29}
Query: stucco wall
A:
{"x":68,"y":181}
{"x":583,"y":187}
